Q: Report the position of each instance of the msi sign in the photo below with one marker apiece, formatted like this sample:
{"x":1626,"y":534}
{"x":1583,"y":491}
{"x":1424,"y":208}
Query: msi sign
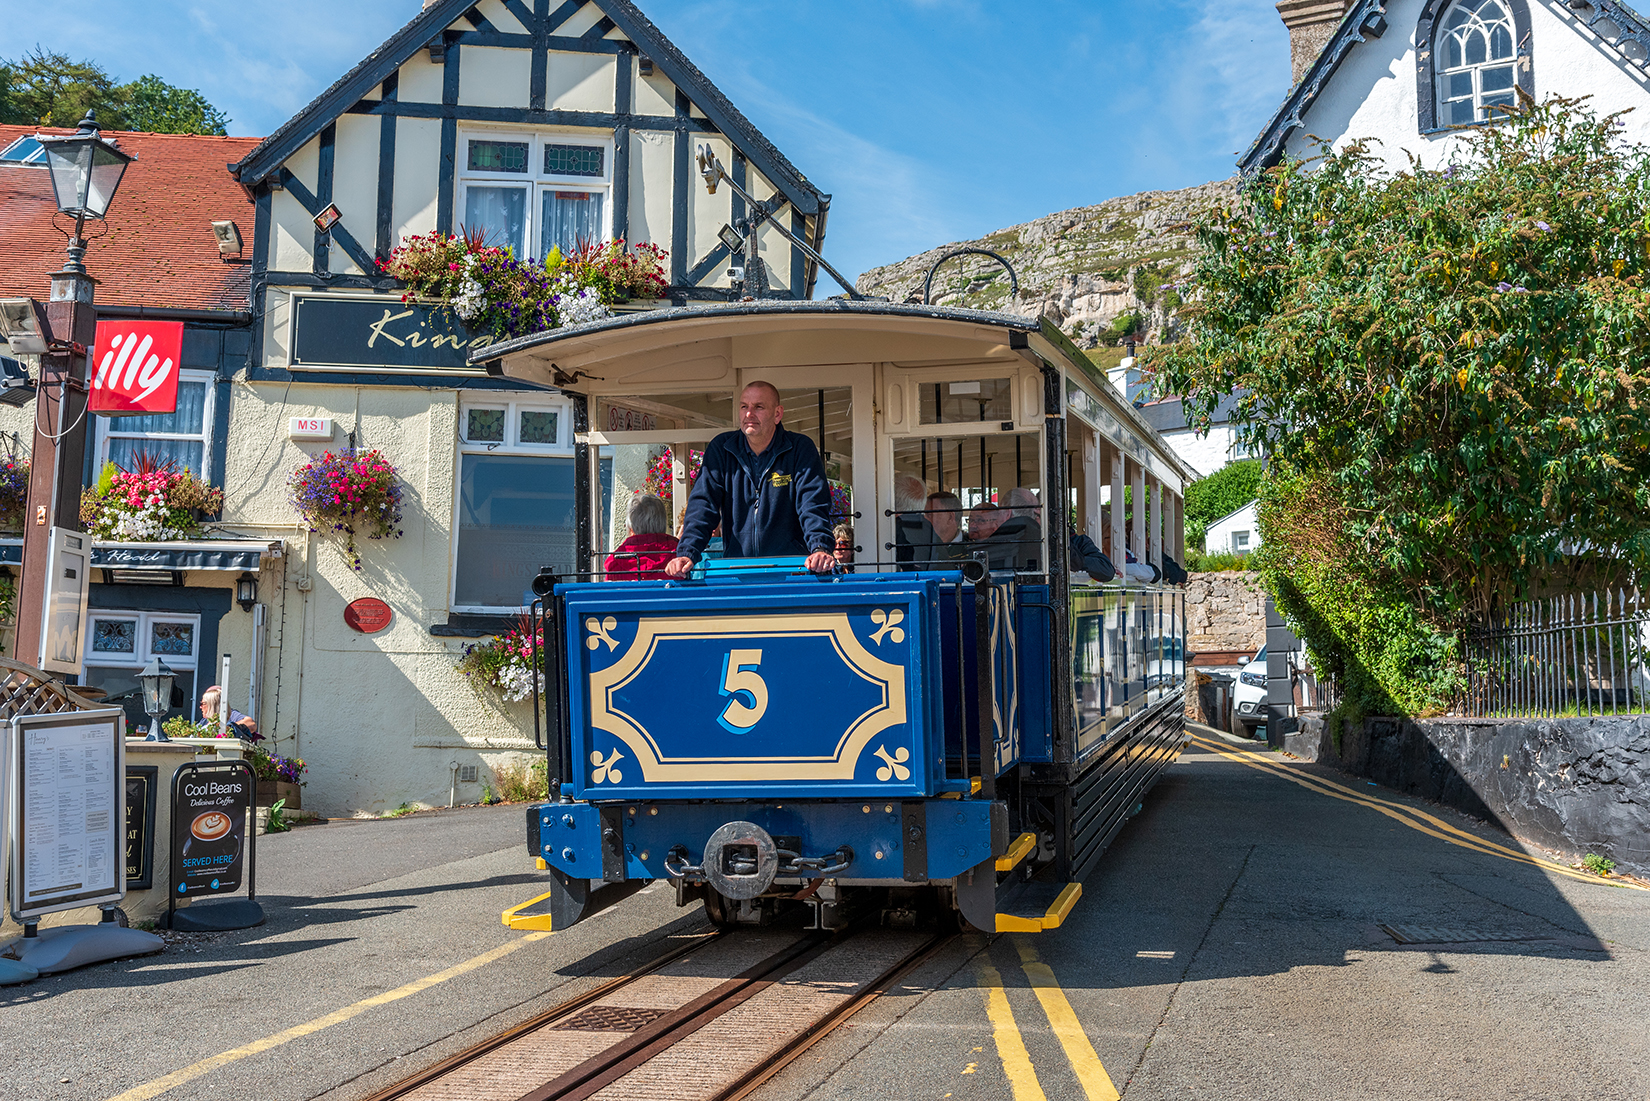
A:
{"x":134,"y":367}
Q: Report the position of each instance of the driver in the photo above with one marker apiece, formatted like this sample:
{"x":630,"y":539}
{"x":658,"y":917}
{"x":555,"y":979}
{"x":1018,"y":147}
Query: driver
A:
{"x":765,"y":486}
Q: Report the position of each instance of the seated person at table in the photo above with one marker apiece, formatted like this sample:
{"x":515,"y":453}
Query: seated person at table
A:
{"x":765,"y":486}
{"x":240,"y":726}
{"x":643,"y":555}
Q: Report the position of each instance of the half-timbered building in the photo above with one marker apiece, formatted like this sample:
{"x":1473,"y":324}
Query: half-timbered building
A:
{"x":537,"y":124}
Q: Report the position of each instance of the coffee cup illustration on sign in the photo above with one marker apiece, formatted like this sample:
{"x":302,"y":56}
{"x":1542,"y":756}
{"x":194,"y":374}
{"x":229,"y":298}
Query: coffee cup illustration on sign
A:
{"x":211,"y":825}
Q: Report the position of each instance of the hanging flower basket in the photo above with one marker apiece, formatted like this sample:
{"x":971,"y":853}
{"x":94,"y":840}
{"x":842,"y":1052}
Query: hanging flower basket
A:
{"x":153,"y":502}
{"x":505,"y":664}
{"x":352,"y":491}
{"x":14,"y":493}
{"x":493,"y":292}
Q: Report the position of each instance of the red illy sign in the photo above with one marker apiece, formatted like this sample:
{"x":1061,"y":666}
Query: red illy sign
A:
{"x":137,"y":367}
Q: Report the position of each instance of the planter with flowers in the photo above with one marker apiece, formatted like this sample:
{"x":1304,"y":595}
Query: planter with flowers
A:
{"x":153,"y":502}
{"x":353,"y":491}
{"x":505,"y":664}
{"x":495,"y":293}
{"x":14,"y":494}
{"x":279,"y":778}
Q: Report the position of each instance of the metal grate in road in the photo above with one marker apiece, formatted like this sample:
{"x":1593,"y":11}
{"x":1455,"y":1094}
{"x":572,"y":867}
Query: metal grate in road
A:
{"x":1433,"y":934}
{"x":609,"y":1018}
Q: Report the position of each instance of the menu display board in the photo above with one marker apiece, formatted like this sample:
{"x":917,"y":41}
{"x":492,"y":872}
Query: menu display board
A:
{"x":141,"y":781}
{"x":68,"y":780}
{"x":210,"y":812}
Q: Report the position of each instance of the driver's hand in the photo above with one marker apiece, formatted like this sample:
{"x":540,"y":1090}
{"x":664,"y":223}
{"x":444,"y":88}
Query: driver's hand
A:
{"x":679,"y":568}
{"x":821,"y":561}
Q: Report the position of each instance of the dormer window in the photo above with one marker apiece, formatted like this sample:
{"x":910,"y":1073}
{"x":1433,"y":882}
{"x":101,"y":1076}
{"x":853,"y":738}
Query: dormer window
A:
{"x":1476,"y":57}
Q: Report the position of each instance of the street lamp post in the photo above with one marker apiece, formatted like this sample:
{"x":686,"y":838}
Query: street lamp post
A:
{"x":85,"y":172}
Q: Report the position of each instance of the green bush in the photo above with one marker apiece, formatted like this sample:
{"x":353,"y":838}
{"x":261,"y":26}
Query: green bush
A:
{"x":1222,"y":493}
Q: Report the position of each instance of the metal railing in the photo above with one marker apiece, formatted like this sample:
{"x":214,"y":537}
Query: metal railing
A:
{"x":1582,"y":654}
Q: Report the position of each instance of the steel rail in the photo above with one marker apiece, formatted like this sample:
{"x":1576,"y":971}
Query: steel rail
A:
{"x":549,"y":1016}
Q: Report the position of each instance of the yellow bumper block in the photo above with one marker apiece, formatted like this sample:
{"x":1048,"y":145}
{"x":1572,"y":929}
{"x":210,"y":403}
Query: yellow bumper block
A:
{"x":1049,"y":919}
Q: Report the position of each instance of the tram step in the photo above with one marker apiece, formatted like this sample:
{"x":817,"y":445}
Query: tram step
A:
{"x":532,"y":914}
{"x":1039,"y":907}
{"x":1023,"y":846}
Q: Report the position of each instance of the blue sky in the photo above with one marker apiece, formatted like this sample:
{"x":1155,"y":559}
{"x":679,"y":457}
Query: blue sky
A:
{"x":929,"y":120}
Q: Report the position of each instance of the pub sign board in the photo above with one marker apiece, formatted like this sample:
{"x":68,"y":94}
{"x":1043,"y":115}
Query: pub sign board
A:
{"x":141,"y":781}
{"x":353,"y":332}
{"x":137,"y":364}
{"x":211,"y":809}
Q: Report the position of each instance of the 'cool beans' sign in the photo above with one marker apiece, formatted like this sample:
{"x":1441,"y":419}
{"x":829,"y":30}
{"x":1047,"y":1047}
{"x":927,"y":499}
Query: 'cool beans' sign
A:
{"x":135,"y":367}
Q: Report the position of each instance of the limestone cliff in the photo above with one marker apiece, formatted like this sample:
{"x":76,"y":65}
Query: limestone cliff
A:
{"x":1099,"y":272}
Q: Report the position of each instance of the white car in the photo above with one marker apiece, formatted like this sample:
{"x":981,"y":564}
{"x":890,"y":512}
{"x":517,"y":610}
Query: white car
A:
{"x":1249,"y":697}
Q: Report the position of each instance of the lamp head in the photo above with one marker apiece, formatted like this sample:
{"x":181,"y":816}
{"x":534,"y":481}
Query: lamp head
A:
{"x":85,"y":169}
{"x":246,"y":590}
{"x":156,"y":680}
{"x":23,"y":325}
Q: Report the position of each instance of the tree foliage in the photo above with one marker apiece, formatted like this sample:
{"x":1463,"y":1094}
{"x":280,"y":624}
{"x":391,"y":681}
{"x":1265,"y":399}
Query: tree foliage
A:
{"x":1223,"y":492}
{"x":1456,"y":362}
{"x":50,"y":89}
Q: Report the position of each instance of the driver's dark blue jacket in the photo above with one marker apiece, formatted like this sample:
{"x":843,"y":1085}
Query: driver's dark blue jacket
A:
{"x":770,"y":505}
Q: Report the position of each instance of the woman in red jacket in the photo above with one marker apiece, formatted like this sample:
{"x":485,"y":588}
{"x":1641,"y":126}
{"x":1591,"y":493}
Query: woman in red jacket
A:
{"x":642,"y":557}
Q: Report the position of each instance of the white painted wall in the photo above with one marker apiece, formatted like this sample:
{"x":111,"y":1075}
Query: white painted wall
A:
{"x":1374,"y":93}
{"x":492,"y":77}
{"x":1222,"y":535}
{"x":1206,"y":453}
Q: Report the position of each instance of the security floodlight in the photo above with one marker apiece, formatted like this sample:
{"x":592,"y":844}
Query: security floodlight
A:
{"x":85,"y":169}
{"x":228,"y":236}
{"x":24,"y":326}
{"x":156,"y":679}
{"x":731,"y":238}
{"x":16,"y":387}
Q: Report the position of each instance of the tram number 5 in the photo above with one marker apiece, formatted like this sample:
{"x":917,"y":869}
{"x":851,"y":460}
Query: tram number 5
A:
{"x":748,"y":690}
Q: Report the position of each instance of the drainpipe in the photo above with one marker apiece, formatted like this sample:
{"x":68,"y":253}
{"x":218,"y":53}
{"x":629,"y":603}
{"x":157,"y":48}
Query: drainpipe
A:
{"x":452,"y":790}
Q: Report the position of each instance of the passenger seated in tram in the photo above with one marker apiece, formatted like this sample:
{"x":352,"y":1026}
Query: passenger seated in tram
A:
{"x":944,"y":511}
{"x":984,"y":520}
{"x":1018,"y":543}
{"x":912,"y":531}
{"x":644,"y":553}
{"x":765,"y":486}
{"x":844,"y":552}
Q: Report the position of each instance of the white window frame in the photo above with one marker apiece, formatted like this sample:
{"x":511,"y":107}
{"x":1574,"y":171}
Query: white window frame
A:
{"x":1440,"y":40}
{"x":142,"y":653}
{"x":513,"y":408}
{"x":107,"y":426}
{"x":535,"y":181}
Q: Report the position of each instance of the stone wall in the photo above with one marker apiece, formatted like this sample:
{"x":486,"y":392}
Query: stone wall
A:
{"x":1575,"y":785}
{"x":1225,"y":611}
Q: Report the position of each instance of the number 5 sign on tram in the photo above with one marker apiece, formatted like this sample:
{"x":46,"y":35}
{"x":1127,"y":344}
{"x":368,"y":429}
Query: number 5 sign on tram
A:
{"x":134,"y":367}
{"x":741,"y":681}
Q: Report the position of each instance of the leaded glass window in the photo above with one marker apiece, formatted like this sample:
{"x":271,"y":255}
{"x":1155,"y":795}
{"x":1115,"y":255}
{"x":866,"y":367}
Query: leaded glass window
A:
{"x":572,"y":160}
{"x":172,"y":639}
{"x":1476,"y":55}
{"x":498,"y":156}
{"x":484,"y":425}
{"x":114,"y":636}
{"x":538,"y":426}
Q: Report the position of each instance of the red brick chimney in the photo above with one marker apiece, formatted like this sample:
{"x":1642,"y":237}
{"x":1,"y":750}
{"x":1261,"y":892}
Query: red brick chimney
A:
{"x":1310,"y":24}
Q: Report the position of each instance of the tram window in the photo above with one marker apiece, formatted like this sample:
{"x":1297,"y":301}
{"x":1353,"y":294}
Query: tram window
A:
{"x":826,"y":416}
{"x":986,"y":399}
{"x":982,"y":471}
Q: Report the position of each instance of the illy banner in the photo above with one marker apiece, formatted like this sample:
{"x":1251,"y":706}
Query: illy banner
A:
{"x":136,"y":367}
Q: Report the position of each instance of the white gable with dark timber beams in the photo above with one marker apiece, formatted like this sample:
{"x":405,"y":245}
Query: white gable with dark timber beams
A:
{"x":392,"y":145}
{"x":1385,"y":75}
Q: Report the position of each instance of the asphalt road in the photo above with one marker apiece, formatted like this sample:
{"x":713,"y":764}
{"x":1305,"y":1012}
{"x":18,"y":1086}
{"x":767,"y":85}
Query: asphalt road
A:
{"x":1229,"y":946}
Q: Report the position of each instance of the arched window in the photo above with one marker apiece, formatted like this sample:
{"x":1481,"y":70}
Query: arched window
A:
{"x":1479,"y":57}
{"x":1475,"y":62}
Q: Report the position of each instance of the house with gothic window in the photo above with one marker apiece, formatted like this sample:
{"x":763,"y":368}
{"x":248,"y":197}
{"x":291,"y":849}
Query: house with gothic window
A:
{"x":1409,"y":74}
{"x":533,"y":124}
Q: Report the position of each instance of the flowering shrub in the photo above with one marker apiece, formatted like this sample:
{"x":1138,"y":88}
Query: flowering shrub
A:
{"x":492,"y":291}
{"x":505,"y":664}
{"x":14,"y":492}
{"x":352,"y":491}
{"x":152,"y":503}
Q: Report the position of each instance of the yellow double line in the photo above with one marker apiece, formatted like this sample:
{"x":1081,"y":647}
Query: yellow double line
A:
{"x":1412,"y":817}
{"x":1011,"y":1048}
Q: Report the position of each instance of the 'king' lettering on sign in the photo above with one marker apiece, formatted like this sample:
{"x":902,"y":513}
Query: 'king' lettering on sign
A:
{"x":134,"y":367}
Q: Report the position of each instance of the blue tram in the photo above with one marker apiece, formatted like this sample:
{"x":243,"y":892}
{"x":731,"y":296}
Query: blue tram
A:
{"x":934,"y":726}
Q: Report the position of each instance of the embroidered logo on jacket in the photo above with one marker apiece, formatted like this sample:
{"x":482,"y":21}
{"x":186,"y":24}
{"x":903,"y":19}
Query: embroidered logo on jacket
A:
{"x":781,"y":480}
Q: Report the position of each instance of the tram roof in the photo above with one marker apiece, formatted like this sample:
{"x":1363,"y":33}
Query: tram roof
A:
{"x":691,"y":342}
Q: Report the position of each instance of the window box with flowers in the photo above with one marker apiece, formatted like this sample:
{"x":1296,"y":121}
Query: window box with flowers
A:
{"x":153,"y":502}
{"x":505,"y":664}
{"x":493,"y":292}
{"x":353,"y":491}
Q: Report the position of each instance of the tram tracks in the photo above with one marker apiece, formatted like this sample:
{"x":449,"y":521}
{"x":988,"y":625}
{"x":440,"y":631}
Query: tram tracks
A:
{"x":709,"y":1021}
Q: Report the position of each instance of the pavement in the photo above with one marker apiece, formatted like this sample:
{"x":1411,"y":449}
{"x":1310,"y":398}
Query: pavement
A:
{"x":1230,"y":945}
